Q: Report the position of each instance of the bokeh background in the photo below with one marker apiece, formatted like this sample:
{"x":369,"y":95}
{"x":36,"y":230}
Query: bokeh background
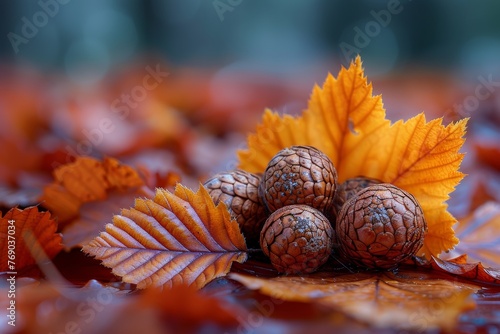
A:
{"x":289,"y":40}
{"x":273,"y":36}
{"x":65,"y":65}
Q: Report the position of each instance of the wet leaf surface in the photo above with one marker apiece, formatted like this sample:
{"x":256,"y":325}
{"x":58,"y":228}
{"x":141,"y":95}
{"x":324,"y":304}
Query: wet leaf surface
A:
{"x":408,"y":300}
{"x":189,"y":129}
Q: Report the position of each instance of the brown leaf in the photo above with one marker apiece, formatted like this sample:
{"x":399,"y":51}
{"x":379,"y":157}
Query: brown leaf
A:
{"x":480,"y":186}
{"x":480,"y":236}
{"x":407,"y":300}
{"x":48,"y":308}
{"x":156,"y":179}
{"x":86,"y":180}
{"x":175,"y":238}
{"x":94,"y":215}
{"x":188,"y":308}
{"x":460,"y":266}
{"x":474,"y":271}
{"x":16,"y":253}
{"x":488,"y":150}
{"x":95,"y":308}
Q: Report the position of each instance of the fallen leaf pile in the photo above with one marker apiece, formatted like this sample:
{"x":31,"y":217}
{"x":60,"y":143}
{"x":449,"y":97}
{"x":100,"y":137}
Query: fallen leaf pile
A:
{"x":117,"y":240}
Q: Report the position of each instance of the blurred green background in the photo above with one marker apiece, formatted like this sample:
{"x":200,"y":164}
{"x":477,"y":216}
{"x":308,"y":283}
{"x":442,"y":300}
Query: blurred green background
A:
{"x":87,"y":39}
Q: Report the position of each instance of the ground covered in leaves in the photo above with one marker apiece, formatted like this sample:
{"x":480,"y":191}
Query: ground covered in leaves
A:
{"x":110,"y":231}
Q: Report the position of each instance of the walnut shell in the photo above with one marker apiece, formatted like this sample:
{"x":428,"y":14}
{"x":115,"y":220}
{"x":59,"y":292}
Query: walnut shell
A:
{"x":349,"y":188}
{"x":299,"y":175}
{"x":380,"y":226}
{"x":239,"y":191}
{"x":297,"y":239}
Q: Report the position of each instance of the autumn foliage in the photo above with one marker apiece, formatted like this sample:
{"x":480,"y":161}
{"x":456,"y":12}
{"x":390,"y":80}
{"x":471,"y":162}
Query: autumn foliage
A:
{"x":86,"y":180}
{"x":348,"y":124}
{"x":173,"y":239}
{"x":161,"y":253}
{"x":35,"y":238}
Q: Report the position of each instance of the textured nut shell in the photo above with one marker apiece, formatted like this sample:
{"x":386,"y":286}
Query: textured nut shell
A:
{"x":380,"y":226}
{"x":239,"y":191}
{"x":299,"y":175}
{"x":349,"y":188}
{"x":297,"y":239}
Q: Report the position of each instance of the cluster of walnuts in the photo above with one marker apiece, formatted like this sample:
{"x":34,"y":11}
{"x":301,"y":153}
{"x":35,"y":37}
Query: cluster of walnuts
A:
{"x":298,"y":213}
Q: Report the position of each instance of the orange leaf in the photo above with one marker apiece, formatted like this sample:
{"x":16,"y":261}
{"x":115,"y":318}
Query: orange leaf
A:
{"x":86,"y":180}
{"x":348,"y":124}
{"x":158,"y":180}
{"x":175,"y":238}
{"x":405,"y":300}
{"x":13,"y":228}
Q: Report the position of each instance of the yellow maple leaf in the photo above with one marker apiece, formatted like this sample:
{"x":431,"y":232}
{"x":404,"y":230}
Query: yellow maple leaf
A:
{"x":347,"y":123}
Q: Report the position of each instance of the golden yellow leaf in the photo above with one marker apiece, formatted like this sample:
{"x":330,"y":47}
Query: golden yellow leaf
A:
{"x":178,"y":238}
{"x":16,"y":253}
{"x":425,"y":163}
{"x":407,"y":300}
{"x":348,"y":124}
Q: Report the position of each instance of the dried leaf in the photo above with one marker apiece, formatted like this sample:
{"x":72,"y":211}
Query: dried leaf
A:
{"x":188,"y":308}
{"x":48,"y":308}
{"x":480,"y":236}
{"x":94,"y":216}
{"x":14,"y":227}
{"x":460,"y":266}
{"x":176,"y":238}
{"x":86,"y":180}
{"x":156,"y":179}
{"x":480,"y":186}
{"x":96,"y":308}
{"x":407,"y":300}
{"x":487,"y":148}
{"x":348,"y":124}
